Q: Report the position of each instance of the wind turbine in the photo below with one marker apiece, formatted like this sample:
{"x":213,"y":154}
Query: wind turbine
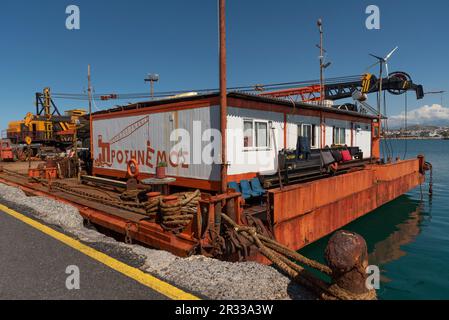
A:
{"x":382,"y":62}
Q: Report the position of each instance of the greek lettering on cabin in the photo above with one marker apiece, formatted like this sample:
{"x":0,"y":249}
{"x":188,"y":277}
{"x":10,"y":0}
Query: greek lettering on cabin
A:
{"x":150,"y":152}
{"x":109,"y":156}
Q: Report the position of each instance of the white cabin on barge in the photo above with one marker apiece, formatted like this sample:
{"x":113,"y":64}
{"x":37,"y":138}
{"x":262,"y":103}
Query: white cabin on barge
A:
{"x":182,"y":132}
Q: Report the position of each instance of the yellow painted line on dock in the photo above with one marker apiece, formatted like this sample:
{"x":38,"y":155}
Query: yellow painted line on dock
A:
{"x":144,"y":278}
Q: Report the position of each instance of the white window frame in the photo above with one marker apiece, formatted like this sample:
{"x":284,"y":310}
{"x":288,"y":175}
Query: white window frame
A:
{"x":253,"y":136}
{"x":254,"y":146}
{"x":336,"y":139}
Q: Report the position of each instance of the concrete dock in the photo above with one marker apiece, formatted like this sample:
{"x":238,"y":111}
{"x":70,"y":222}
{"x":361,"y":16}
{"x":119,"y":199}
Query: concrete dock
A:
{"x":34,"y":267}
{"x":41,"y":237}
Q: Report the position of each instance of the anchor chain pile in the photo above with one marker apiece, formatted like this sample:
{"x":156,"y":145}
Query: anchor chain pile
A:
{"x":106,"y":200}
{"x":174,"y":215}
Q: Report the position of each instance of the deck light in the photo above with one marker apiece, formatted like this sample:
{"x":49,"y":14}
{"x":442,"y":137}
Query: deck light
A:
{"x":152,"y":78}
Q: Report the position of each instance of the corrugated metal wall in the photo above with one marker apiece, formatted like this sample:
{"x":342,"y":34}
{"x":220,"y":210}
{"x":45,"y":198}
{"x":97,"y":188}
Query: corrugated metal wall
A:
{"x":157,"y":132}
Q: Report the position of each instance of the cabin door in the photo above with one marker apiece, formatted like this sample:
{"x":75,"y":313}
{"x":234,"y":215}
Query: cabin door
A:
{"x":308,"y":131}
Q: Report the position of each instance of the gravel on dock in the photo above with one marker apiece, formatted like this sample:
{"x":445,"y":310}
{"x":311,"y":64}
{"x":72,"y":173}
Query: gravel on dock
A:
{"x":209,"y":278}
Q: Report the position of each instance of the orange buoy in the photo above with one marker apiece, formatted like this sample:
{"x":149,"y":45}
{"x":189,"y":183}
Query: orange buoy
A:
{"x":133,"y":168}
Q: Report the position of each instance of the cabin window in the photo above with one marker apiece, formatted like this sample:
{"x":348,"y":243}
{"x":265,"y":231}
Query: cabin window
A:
{"x":255,"y":134}
{"x":248,"y":134}
{"x":309,"y":131}
{"x":339,"y":136}
{"x":261,"y":134}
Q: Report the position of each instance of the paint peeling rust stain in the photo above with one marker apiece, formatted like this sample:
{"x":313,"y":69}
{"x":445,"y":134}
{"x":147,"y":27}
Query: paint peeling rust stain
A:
{"x":320,"y":212}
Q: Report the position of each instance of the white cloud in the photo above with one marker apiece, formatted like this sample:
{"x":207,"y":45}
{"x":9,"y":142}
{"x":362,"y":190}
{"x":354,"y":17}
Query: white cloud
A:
{"x":426,"y":115}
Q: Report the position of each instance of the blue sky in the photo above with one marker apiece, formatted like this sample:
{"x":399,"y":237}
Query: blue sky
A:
{"x":268,"y":42}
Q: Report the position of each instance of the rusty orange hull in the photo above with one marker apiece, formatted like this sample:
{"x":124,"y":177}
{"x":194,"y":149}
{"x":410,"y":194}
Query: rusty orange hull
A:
{"x":300,"y":214}
{"x":305,"y":213}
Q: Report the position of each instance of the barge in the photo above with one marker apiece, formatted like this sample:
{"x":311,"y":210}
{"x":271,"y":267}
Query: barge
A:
{"x":279,"y":178}
{"x":258,"y":128}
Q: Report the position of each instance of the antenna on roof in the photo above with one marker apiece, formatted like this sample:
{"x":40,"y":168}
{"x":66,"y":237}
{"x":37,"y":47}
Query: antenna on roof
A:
{"x":323,"y":65}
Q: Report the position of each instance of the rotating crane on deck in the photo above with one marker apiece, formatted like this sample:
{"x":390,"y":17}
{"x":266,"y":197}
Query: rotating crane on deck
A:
{"x":396,"y":83}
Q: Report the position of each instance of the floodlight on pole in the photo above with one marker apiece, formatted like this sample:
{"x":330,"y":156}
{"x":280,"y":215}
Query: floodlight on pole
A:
{"x":152,"y":78}
{"x":320,"y":28}
{"x":323,"y":65}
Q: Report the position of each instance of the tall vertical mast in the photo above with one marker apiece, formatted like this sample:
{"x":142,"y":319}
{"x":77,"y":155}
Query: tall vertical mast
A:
{"x":379,"y":95}
{"x":322,"y":91}
{"x":223,"y":94}
{"x":89,"y":89}
{"x":89,"y":93}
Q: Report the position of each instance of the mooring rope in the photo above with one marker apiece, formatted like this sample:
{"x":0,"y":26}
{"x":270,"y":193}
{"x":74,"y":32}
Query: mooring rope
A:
{"x":288,"y":261}
{"x":430,"y":168}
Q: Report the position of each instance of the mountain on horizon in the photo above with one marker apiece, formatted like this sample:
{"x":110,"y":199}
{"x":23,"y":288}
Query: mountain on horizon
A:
{"x":425,"y":116}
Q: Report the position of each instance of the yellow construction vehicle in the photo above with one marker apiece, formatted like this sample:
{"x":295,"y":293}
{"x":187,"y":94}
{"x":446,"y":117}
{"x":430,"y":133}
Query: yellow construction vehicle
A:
{"x":48,"y":128}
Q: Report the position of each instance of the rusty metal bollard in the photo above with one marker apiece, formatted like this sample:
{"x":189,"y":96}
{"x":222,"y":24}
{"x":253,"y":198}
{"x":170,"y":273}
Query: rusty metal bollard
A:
{"x":347,"y":255}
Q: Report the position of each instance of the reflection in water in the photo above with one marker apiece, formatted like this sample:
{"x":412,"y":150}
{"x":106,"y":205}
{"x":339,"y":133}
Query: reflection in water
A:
{"x":389,"y":249}
{"x":386,"y":230}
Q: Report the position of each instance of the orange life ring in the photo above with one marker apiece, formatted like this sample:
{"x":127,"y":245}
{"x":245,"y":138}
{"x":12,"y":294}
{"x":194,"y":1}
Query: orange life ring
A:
{"x":133,"y":168}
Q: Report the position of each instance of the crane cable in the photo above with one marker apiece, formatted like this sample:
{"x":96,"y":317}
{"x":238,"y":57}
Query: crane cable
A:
{"x":389,"y":145}
{"x":382,"y":145}
{"x":267,"y":87}
{"x":406,"y":125}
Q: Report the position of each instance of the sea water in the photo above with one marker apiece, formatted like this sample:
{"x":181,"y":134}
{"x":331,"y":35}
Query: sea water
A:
{"x":408,"y":238}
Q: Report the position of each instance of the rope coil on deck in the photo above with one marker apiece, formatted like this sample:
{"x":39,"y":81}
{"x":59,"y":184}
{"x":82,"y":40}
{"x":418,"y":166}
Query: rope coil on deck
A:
{"x":152,"y":207}
{"x":178,"y":210}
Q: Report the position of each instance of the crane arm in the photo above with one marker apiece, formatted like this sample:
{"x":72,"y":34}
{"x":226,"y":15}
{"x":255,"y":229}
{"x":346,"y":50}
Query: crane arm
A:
{"x":397,"y":83}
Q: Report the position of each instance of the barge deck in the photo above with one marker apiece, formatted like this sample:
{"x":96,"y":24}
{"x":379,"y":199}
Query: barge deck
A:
{"x":295,"y":215}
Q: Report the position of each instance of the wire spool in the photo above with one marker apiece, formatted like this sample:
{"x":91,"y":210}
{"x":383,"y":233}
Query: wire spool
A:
{"x":399,"y":76}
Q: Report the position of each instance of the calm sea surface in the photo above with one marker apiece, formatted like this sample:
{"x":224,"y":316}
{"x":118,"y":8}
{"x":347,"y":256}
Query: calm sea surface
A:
{"x":409,"y":237}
